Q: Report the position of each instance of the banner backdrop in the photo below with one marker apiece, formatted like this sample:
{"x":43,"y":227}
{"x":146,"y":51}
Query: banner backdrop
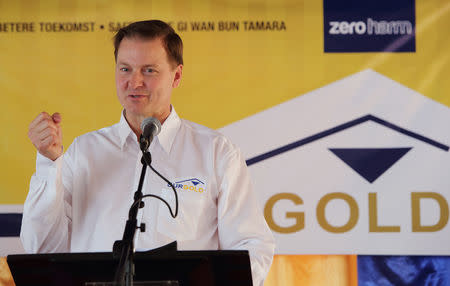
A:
{"x":361,"y":176}
{"x":341,"y":108}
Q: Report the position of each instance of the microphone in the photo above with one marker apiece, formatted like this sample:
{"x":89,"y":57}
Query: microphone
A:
{"x":150,"y":127}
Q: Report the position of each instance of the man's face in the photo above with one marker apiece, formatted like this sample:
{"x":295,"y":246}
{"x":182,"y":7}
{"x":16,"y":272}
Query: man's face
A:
{"x":145,"y":79}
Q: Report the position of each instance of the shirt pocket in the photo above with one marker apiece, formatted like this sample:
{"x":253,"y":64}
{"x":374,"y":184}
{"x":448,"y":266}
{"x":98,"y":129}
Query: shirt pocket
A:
{"x":190,"y":211}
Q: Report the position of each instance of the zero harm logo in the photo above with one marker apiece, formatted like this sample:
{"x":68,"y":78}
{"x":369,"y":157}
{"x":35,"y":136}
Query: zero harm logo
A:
{"x":369,"y":26}
{"x":372,"y":27}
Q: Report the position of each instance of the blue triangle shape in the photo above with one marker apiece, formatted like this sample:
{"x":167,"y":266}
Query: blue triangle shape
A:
{"x":370,"y":163}
{"x":195,"y":183}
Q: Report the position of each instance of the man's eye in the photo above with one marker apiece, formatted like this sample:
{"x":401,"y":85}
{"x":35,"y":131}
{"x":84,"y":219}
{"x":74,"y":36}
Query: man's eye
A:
{"x":124,"y":69}
{"x":149,"y":70}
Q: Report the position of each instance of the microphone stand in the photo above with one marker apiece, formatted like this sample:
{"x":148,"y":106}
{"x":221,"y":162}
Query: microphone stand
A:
{"x":125,"y":248}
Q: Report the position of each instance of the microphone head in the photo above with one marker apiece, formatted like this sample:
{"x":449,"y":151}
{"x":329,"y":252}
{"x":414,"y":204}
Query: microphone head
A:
{"x":152,"y":125}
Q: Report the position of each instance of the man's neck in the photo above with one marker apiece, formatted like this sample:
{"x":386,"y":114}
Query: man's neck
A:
{"x":135,"y":121}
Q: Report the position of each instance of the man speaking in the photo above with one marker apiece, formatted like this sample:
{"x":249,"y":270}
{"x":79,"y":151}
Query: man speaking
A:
{"x":79,"y":200}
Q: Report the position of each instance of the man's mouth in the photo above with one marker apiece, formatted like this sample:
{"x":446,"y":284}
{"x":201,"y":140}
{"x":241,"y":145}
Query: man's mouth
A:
{"x":136,"y":95}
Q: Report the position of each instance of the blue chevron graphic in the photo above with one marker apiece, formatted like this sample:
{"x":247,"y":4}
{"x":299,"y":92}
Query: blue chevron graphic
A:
{"x":340,"y":128}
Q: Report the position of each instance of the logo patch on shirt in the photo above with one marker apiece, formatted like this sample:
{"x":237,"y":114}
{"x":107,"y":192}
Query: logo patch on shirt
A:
{"x":193,"y":185}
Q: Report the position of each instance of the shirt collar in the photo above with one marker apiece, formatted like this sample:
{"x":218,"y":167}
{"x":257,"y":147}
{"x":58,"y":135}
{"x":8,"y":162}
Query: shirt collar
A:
{"x":169,"y":130}
{"x":165,"y":138}
{"x":124,"y":130}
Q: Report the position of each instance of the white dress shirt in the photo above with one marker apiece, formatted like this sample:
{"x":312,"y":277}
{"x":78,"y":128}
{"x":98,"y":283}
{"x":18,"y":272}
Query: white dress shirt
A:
{"x":80,"y":202}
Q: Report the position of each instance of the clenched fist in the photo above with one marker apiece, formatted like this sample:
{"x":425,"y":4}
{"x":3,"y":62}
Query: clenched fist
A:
{"x":46,"y":135}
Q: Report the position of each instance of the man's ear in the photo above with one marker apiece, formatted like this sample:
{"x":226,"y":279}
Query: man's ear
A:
{"x":177,"y":77}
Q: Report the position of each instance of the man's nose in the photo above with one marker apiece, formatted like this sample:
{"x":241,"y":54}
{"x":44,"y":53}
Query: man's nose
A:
{"x":137,"y":80}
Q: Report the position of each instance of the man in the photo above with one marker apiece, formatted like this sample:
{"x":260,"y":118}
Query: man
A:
{"x":78,"y":201}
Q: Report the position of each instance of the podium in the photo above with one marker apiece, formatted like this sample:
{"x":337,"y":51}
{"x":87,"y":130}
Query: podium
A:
{"x":164,"y":266}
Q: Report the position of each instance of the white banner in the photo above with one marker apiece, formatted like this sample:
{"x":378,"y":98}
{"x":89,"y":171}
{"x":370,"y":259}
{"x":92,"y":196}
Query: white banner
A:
{"x":10,"y":215}
{"x":360,"y":166}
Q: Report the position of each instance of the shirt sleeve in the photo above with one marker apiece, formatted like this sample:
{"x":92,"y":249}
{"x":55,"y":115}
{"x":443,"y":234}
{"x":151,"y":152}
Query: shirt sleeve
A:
{"x":241,"y":224}
{"x":46,"y":221}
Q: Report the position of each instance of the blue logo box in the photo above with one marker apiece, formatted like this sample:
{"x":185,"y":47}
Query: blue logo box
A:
{"x":369,"y":26}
